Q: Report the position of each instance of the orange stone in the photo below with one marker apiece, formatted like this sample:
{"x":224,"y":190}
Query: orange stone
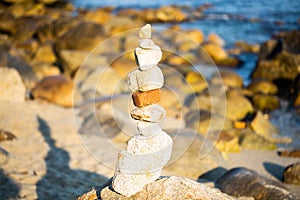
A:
{"x":141,"y":99}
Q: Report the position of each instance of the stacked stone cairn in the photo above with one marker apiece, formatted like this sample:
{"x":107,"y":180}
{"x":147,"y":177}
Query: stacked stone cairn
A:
{"x":149,"y":151}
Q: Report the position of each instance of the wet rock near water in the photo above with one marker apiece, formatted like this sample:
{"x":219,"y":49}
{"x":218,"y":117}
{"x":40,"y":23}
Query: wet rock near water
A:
{"x":244,"y":182}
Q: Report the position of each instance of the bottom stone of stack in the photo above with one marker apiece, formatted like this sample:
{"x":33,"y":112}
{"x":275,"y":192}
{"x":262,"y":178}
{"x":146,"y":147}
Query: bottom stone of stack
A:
{"x":128,"y":184}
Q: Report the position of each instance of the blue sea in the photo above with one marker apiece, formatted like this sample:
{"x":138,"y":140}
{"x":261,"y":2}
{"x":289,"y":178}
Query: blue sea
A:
{"x":250,"y":21}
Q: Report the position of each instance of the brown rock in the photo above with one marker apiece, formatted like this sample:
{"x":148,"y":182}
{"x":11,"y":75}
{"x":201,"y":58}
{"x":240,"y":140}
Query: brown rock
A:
{"x":228,"y":78}
{"x":291,"y":174}
{"x":264,"y":87}
{"x":83,"y":36}
{"x":55,"y":89}
{"x":237,"y":106}
{"x":215,"y":51}
{"x":45,"y":53}
{"x":214,"y":38}
{"x":141,"y":99}
{"x":8,"y":23}
{"x":99,"y":15}
{"x":247,"y":48}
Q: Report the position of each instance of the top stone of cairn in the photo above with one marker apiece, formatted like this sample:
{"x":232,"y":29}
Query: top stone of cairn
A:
{"x":145,"y":32}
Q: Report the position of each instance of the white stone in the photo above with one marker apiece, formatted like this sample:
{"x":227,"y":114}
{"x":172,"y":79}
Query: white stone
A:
{"x":128,"y":184}
{"x":145,"y":32}
{"x":155,"y":150}
{"x":146,"y":43}
{"x":152,"y":113}
{"x":147,"y":58}
{"x":132,"y":82}
{"x":151,"y":79}
{"x":146,"y":154}
{"x":12,"y":88}
{"x":148,"y":128}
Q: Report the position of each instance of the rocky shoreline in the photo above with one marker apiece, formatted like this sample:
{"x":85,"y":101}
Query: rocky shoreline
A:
{"x":51,"y":58}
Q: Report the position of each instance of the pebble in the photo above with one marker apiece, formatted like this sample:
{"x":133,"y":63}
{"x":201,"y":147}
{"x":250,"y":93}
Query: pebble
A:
{"x":147,"y":58}
{"x":152,"y":113}
{"x":145,"y":32}
{"x":147,"y":128}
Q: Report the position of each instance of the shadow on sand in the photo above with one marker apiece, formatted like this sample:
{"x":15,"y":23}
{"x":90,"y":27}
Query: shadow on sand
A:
{"x":60,"y":181}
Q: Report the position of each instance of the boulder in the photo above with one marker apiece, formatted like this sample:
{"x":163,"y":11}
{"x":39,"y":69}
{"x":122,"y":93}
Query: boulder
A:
{"x":263,"y":87}
{"x":246,"y":47}
{"x":8,"y":23}
{"x":55,"y":89}
{"x":265,"y":103}
{"x":278,"y":58}
{"x":164,"y":188}
{"x":83,"y":36}
{"x":244,"y":182}
{"x":12,"y":88}
{"x":215,"y":51}
{"x":163,"y":14}
{"x":228,"y":78}
{"x":263,"y":127}
{"x":216,"y":39}
{"x":237,"y":106}
{"x":251,"y":140}
{"x":45,"y":53}
{"x":291,"y":174}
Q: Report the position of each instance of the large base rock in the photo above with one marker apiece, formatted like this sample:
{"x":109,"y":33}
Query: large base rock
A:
{"x":165,"y":188}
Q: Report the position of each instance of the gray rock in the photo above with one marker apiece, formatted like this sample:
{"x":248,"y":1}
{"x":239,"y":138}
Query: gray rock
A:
{"x":244,"y":182}
{"x":291,"y":174}
{"x":12,"y":88}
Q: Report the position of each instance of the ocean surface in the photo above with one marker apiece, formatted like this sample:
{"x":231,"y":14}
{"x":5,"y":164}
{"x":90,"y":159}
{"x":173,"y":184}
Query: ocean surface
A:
{"x":250,"y":21}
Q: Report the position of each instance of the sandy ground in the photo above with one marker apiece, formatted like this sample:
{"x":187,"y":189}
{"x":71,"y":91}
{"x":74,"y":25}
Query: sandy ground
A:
{"x":48,"y":160}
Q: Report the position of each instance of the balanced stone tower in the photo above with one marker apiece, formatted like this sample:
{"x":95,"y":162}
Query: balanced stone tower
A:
{"x":151,"y":149}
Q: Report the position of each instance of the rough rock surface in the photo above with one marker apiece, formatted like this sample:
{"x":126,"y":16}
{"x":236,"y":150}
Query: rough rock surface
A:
{"x":244,"y":182}
{"x":291,"y":174}
{"x":165,"y":188}
{"x":12,"y":88}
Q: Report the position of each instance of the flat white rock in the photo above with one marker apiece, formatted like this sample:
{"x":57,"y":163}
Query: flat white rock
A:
{"x":147,"y":58}
{"x":148,"y":128}
{"x":152,"y":113}
{"x":146,"y":43}
{"x":145,"y":32}
{"x":146,"y":154}
{"x":128,"y":184}
{"x":150,"y":79}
